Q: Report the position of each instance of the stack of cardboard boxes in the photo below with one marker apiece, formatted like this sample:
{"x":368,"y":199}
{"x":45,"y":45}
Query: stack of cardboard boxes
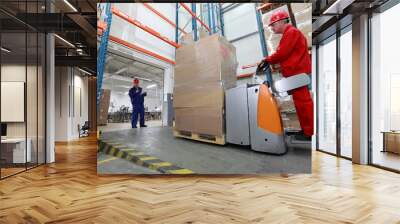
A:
{"x":203,"y":71}
{"x":288,"y":113}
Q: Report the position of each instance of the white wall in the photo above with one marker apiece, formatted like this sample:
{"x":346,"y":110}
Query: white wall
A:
{"x":80,"y":83}
{"x":67,"y":84}
{"x":62,"y":81}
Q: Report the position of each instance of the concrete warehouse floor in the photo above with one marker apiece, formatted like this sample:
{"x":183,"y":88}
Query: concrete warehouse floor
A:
{"x":206,"y":158}
{"x":127,"y":125}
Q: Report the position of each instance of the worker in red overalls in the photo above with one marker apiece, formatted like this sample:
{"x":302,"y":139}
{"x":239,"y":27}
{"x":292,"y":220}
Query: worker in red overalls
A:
{"x":293,"y":56}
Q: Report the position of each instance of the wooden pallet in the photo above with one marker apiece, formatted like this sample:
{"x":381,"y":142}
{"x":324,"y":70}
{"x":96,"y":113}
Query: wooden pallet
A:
{"x":219,"y":140}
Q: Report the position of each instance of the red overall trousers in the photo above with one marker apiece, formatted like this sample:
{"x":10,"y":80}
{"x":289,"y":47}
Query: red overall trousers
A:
{"x":293,"y":57}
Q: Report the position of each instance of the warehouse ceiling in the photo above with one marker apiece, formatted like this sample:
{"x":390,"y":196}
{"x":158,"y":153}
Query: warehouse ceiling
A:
{"x":120,"y":72}
{"x":74,"y":22}
{"x":327,"y":13}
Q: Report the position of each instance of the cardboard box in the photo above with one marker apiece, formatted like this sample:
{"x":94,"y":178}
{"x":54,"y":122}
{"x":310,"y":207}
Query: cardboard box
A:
{"x":210,"y":59}
{"x":290,"y":121}
{"x":104,"y":105}
{"x":209,"y":94}
{"x":200,"y":120}
{"x":195,"y":74}
{"x":186,"y":39}
{"x":203,"y":71}
{"x":203,"y":33}
{"x":286,"y":104}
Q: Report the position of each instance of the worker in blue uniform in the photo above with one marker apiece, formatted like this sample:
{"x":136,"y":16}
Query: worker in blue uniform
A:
{"x":137,"y":100}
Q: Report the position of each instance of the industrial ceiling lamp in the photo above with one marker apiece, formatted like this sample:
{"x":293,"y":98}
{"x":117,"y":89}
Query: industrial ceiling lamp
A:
{"x":5,"y":50}
{"x":141,"y":78}
{"x":65,"y":41}
{"x":151,"y":86}
{"x":70,"y":5}
{"x":120,"y":71}
{"x":337,"y":7}
{"x":86,"y":72}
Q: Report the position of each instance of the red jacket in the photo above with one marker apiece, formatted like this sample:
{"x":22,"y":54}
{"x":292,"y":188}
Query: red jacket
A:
{"x":292,"y":53}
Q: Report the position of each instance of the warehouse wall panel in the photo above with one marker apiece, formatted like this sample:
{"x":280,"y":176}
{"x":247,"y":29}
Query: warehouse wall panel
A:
{"x":239,"y":22}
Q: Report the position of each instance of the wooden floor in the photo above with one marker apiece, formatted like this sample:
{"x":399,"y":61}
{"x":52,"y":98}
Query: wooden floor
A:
{"x":70,"y":191}
{"x":10,"y":171}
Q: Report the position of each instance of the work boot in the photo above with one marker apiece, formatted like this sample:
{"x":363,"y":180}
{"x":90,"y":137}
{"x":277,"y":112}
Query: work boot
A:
{"x":302,"y":137}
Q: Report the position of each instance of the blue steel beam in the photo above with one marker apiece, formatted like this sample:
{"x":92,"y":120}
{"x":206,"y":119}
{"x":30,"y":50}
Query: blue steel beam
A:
{"x":212,"y":18}
{"x":221,"y":18}
{"x":262,"y":41}
{"x":194,"y":22}
{"x":177,"y":23}
{"x":209,"y":15}
{"x":102,"y":53}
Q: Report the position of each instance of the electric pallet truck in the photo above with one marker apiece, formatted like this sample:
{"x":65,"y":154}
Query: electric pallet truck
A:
{"x":253,"y":117}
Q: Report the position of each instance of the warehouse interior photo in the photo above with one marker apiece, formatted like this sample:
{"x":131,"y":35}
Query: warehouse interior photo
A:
{"x":69,"y":152}
{"x":200,"y":65}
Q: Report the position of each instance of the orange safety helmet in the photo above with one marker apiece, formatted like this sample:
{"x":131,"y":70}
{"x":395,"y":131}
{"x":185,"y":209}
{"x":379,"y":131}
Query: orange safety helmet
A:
{"x":277,"y":16}
{"x":136,"y":81}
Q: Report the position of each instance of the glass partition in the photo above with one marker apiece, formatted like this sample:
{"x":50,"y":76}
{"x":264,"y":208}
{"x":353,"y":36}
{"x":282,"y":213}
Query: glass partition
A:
{"x":346,"y":93}
{"x":22,"y":88}
{"x":14,"y":146}
{"x":327,"y":95}
{"x":385,"y":89}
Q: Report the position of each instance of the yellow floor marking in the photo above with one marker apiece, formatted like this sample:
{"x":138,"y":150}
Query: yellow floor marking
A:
{"x":135,"y":153}
{"x":107,"y":160}
{"x":147,"y":158}
{"x":158,"y":165}
{"x":181,"y":171}
{"x":128,"y":150}
{"x":119,"y":154}
{"x":112,"y":151}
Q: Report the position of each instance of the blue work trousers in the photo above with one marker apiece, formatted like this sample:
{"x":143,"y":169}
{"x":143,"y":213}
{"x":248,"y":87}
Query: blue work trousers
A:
{"x":137,"y":110}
